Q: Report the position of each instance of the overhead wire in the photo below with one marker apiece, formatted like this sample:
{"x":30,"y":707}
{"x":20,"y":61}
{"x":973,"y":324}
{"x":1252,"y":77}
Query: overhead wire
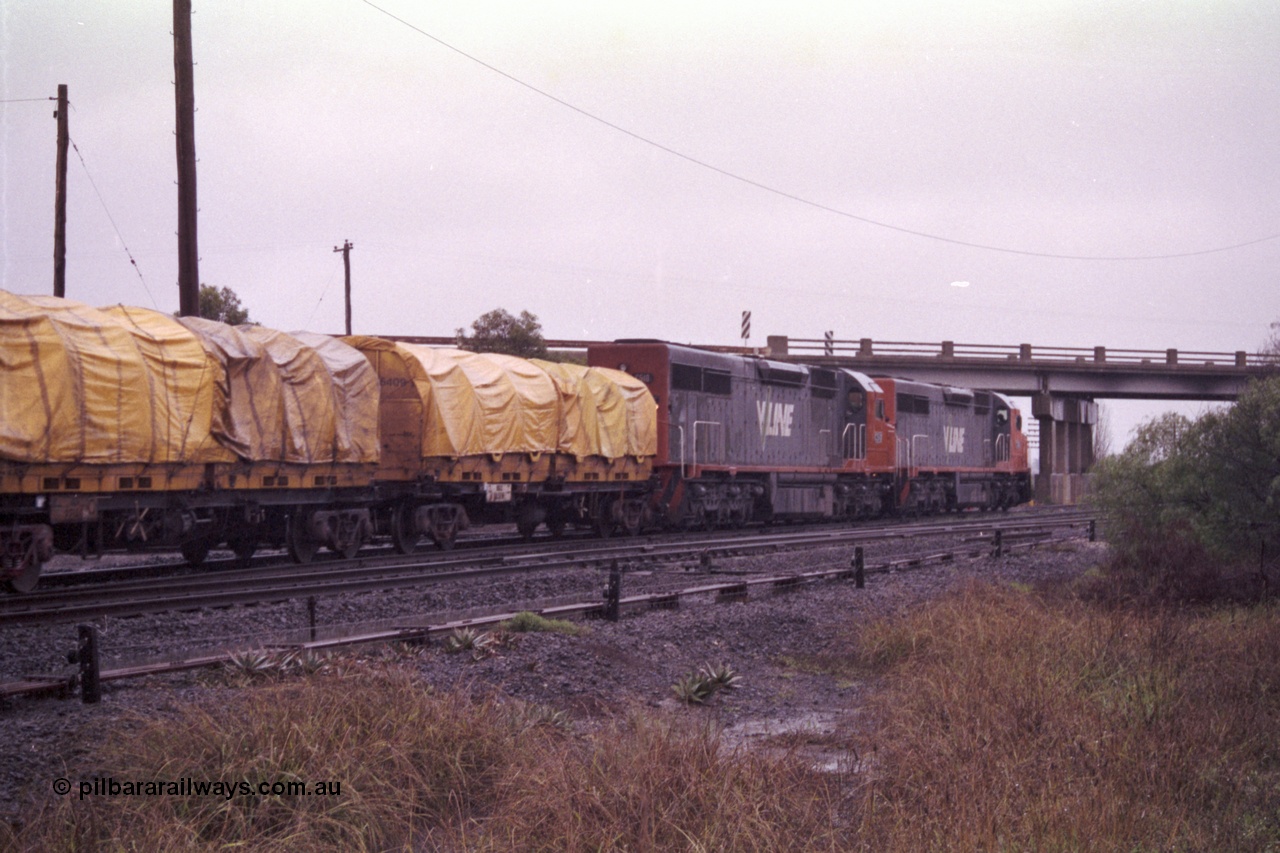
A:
{"x":797,"y":198}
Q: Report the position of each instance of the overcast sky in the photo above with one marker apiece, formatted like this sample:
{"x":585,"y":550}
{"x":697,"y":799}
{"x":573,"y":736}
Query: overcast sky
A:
{"x":829,"y":166}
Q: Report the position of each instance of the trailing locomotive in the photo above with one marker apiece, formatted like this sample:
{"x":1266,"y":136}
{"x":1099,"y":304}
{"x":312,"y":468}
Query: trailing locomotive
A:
{"x":750,"y":439}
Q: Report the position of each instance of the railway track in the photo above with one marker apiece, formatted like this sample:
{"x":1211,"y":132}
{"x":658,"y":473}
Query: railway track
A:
{"x":280,"y":582}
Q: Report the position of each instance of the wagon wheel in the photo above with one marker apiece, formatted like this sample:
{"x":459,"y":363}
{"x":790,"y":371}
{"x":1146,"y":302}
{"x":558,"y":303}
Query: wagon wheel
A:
{"x":404,"y":534}
{"x":352,"y":546}
{"x":446,"y":537}
{"x":632,"y":512}
{"x":526,"y":529}
{"x":556,"y":523}
{"x":194,"y":551}
{"x":444,"y":528}
{"x":29,"y":572}
{"x":302,"y":548}
{"x":243,"y":548}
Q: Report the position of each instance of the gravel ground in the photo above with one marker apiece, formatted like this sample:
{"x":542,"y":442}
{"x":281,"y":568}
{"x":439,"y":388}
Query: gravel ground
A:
{"x":612,"y":667}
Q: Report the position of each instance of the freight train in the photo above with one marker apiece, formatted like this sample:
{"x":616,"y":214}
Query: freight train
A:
{"x":124,"y":428}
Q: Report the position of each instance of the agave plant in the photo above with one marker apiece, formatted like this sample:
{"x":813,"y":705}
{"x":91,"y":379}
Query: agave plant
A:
{"x":467,"y":639}
{"x":693,"y":689}
{"x":698,"y":687}
{"x":722,"y":676}
{"x":254,"y":663}
{"x":530,"y":715}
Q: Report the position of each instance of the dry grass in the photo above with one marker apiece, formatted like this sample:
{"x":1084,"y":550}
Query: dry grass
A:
{"x":1005,"y":719}
{"x":1009,"y":721}
{"x":430,"y":772}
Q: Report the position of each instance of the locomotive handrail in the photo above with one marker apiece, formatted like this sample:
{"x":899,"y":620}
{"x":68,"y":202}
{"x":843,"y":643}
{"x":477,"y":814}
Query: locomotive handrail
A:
{"x":1002,"y":448}
{"x":697,"y":424}
{"x":858,"y":448}
{"x":682,"y":466}
{"x":914,"y":438}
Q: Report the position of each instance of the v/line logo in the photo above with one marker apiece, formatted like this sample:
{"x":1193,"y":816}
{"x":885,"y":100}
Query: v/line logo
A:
{"x":775,"y":418}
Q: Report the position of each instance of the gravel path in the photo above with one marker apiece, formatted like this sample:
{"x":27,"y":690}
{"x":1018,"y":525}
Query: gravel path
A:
{"x":612,"y":667}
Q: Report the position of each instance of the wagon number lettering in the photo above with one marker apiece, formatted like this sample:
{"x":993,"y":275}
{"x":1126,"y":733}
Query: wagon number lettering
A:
{"x":497,"y":493}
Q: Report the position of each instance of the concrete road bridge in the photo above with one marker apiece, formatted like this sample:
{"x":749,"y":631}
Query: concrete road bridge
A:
{"x":1063,"y":383}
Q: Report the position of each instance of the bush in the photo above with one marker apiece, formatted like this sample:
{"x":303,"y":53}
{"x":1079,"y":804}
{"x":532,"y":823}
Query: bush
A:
{"x":1186,"y":499}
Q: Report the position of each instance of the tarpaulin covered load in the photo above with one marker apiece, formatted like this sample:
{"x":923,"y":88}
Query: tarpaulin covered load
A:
{"x":603,"y":412}
{"x":248,"y":415}
{"x":355,"y":391}
{"x":184,"y":380}
{"x":317,"y":429}
{"x":472,"y":403}
{"x":81,"y":385}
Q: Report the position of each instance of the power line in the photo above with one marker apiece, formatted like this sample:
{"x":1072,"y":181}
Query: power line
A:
{"x":112,"y":219}
{"x":800,"y":199}
{"x":23,"y":100}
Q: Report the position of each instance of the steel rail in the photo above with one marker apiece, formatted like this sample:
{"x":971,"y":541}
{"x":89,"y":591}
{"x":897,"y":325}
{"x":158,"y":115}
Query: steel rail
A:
{"x":221,"y":589}
{"x":421,"y":630}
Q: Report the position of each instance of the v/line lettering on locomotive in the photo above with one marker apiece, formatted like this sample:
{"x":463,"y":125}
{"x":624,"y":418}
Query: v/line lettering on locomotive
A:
{"x":775,"y":418}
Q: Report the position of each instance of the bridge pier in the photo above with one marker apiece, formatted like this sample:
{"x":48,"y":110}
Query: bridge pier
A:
{"x":1066,"y":446}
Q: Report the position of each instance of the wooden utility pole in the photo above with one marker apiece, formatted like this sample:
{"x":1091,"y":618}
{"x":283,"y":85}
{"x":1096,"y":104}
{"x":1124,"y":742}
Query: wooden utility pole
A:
{"x":60,"y":198}
{"x":345,"y":249}
{"x":184,"y":85}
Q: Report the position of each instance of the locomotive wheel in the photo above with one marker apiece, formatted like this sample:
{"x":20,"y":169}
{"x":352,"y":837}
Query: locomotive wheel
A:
{"x":194,"y":551}
{"x":404,"y":538}
{"x":25,"y":580}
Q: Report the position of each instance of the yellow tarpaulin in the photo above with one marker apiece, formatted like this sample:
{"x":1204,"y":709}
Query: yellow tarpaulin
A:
{"x":183,"y":378}
{"x":307,"y":404}
{"x":603,"y":412}
{"x":249,"y":412}
{"x":355,"y":397}
{"x":80,"y":385}
{"x":472,"y":403}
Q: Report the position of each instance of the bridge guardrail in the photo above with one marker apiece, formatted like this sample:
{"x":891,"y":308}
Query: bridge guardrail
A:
{"x":866,"y":347}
